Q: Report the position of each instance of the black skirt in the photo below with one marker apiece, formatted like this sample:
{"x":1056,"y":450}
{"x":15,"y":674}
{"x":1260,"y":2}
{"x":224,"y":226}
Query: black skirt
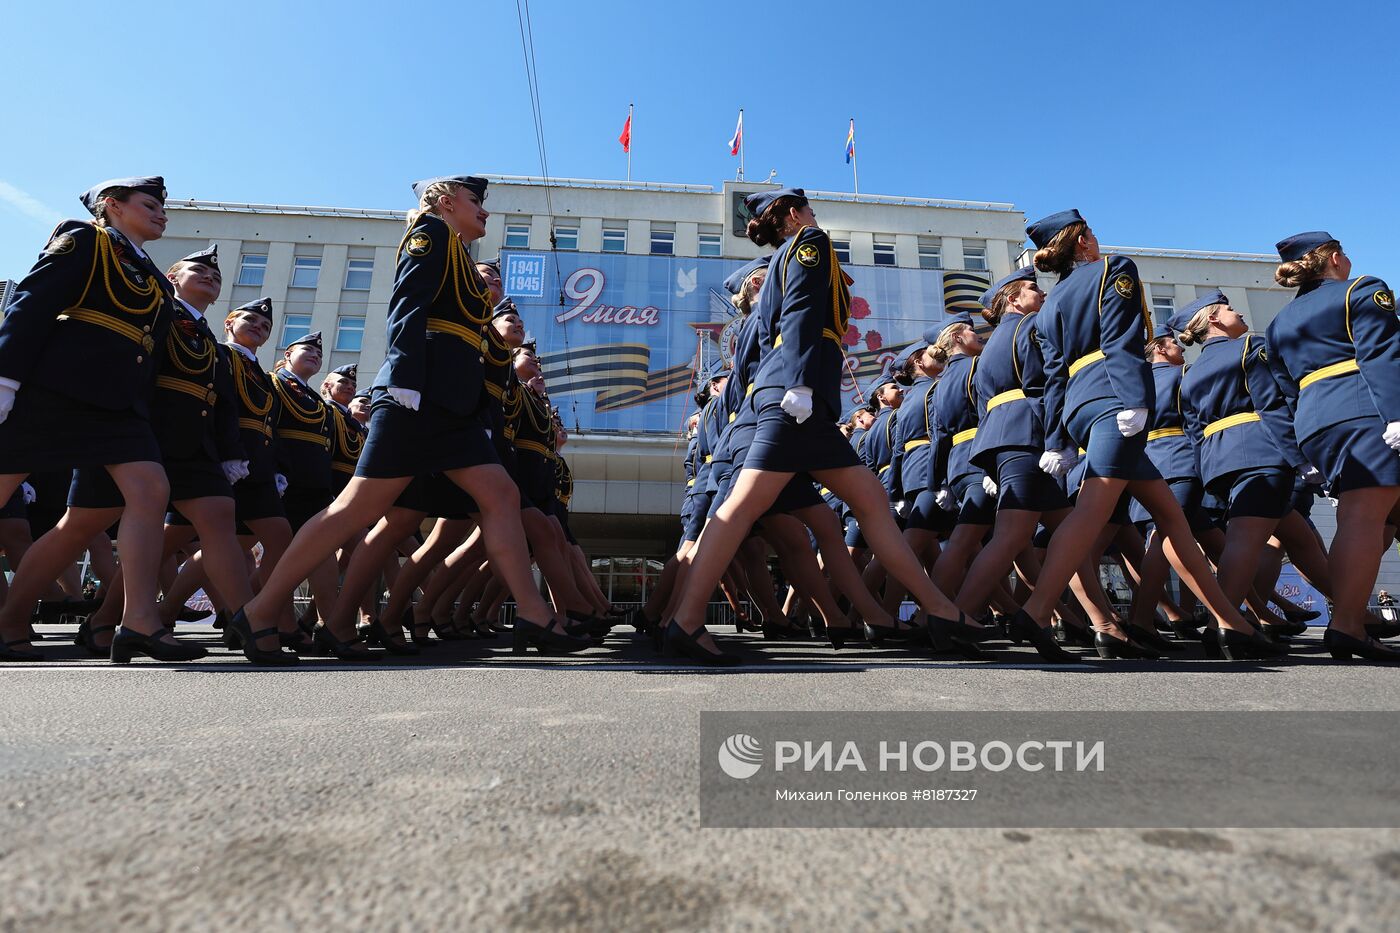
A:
{"x":48,"y":431}
{"x":781,"y":445}
{"x":414,"y":443}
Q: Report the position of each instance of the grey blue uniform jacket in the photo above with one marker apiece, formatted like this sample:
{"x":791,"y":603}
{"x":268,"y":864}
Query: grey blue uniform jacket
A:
{"x":1235,"y":412}
{"x":1093,"y":330}
{"x":1335,"y":350}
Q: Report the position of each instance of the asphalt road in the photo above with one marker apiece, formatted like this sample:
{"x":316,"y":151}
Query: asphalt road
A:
{"x":472,"y":788}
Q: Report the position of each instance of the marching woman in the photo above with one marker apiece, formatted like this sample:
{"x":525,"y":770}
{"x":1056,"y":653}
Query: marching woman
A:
{"x":1336,"y":351}
{"x":77,"y":368}
{"x":423,"y":420}
{"x":952,"y":429}
{"x":1242,"y":428}
{"x":1173,"y":454}
{"x":1009,"y":382}
{"x":797,"y":399}
{"x":1093,"y":330}
{"x":195,"y":418}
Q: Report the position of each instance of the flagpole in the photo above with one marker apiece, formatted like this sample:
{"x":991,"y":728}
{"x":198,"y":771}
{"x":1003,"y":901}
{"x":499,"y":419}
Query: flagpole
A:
{"x":741,"y":143}
{"x":629,"y":142}
{"x":855,"y":172}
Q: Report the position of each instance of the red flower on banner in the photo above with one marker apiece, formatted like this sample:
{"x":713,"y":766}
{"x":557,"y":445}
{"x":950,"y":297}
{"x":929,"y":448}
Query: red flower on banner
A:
{"x":852,"y":336}
{"x":860,"y":308}
{"x":873,"y":340}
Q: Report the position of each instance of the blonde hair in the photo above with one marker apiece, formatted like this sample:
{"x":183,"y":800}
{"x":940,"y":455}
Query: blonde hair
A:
{"x":1153,"y":345}
{"x":742,"y":299}
{"x":1058,"y":254}
{"x":428,"y":203}
{"x":1311,"y":266}
{"x":943,"y":346}
{"x":1197,"y":328}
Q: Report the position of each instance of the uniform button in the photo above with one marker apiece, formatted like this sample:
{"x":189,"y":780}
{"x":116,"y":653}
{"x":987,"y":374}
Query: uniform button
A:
{"x":481,"y":359}
{"x":147,"y":328}
{"x":204,"y":414}
{"x":210,"y":386}
{"x":140,"y":359}
{"x":267,"y":443}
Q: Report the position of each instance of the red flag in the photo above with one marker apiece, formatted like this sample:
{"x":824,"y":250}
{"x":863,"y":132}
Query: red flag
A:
{"x":626,"y":137}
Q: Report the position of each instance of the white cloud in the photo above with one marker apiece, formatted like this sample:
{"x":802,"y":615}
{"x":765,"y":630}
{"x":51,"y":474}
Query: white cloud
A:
{"x":27,"y":204}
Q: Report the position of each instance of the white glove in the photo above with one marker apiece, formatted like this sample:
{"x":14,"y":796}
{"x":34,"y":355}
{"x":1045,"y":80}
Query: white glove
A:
{"x":7,"y":401}
{"x":944,"y":499}
{"x":29,"y":494}
{"x":235,"y":470}
{"x":1391,"y":435}
{"x":798,"y":403}
{"x":281,"y":484}
{"x":1057,"y":462}
{"x":1311,"y":475}
{"x":408,"y":398}
{"x":989,"y":486}
{"x":1131,"y":421}
{"x":901,"y":508}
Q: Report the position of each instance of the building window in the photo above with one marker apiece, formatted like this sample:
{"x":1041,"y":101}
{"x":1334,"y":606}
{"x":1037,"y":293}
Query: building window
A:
{"x":518,"y":233}
{"x":294,"y":327}
{"x":843,"y":250}
{"x":1163,"y":302}
{"x":711,"y":243}
{"x":349,"y":333}
{"x":663,"y":242}
{"x":614,"y":239}
{"x":930,"y":254}
{"x":566,"y":237}
{"x":884,"y":254}
{"x":975,"y":255}
{"x":306,"y":271}
{"x":358,"y":274}
{"x":251,"y":271}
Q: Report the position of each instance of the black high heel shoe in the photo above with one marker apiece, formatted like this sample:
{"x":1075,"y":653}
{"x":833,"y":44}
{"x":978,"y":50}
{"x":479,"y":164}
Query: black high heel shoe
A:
{"x":544,"y":639}
{"x":326,"y":641}
{"x":241,"y":630}
{"x":1187,"y":630}
{"x":900,"y":631}
{"x":448,"y":631}
{"x":1069,"y":634}
{"x":677,"y":643}
{"x":127,"y":644}
{"x":587,"y":626}
{"x":1383,"y":629}
{"x":745,"y":624}
{"x":1110,"y":647}
{"x":375,"y":634}
{"x":1150,"y":639}
{"x":837,"y":634}
{"x":958,"y":629}
{"x":1301,"y":615}
{"x":1288,"y":629}
{"x":87,"y":638}
{"x":1239,"y":646}
{"x":1042,"y":639}
{"x":1342,"y":646}
{"x":774,"y":631}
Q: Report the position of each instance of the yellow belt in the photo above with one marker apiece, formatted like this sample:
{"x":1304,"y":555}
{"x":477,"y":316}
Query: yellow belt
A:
{"x":1327,"y":372}
{"x":689,"y":483}
{"x":534,"y":447}
{"x":253,"y":424}
{"x":306,"y":436}
{"x":1165,"y":432}
{"x":886,"y":467}
{"x":206,"y":395}
{"x":824,"y":491}
{"x":439,"y":326}
{"x":827,"y":332}
{"x":749,"y":390}
{"x":1244,"y":417}
{"x":709,"y":458}
{"x":1088,"y":359}
{"x":343,"y":467}
{"x":129,"y":331}
{"x":962,"y":437}
{"x":1001,"y":398}
{"x":910,"y":445}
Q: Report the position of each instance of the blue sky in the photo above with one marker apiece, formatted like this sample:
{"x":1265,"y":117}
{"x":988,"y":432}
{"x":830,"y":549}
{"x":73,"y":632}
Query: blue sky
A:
{"x":1188,"y":125}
